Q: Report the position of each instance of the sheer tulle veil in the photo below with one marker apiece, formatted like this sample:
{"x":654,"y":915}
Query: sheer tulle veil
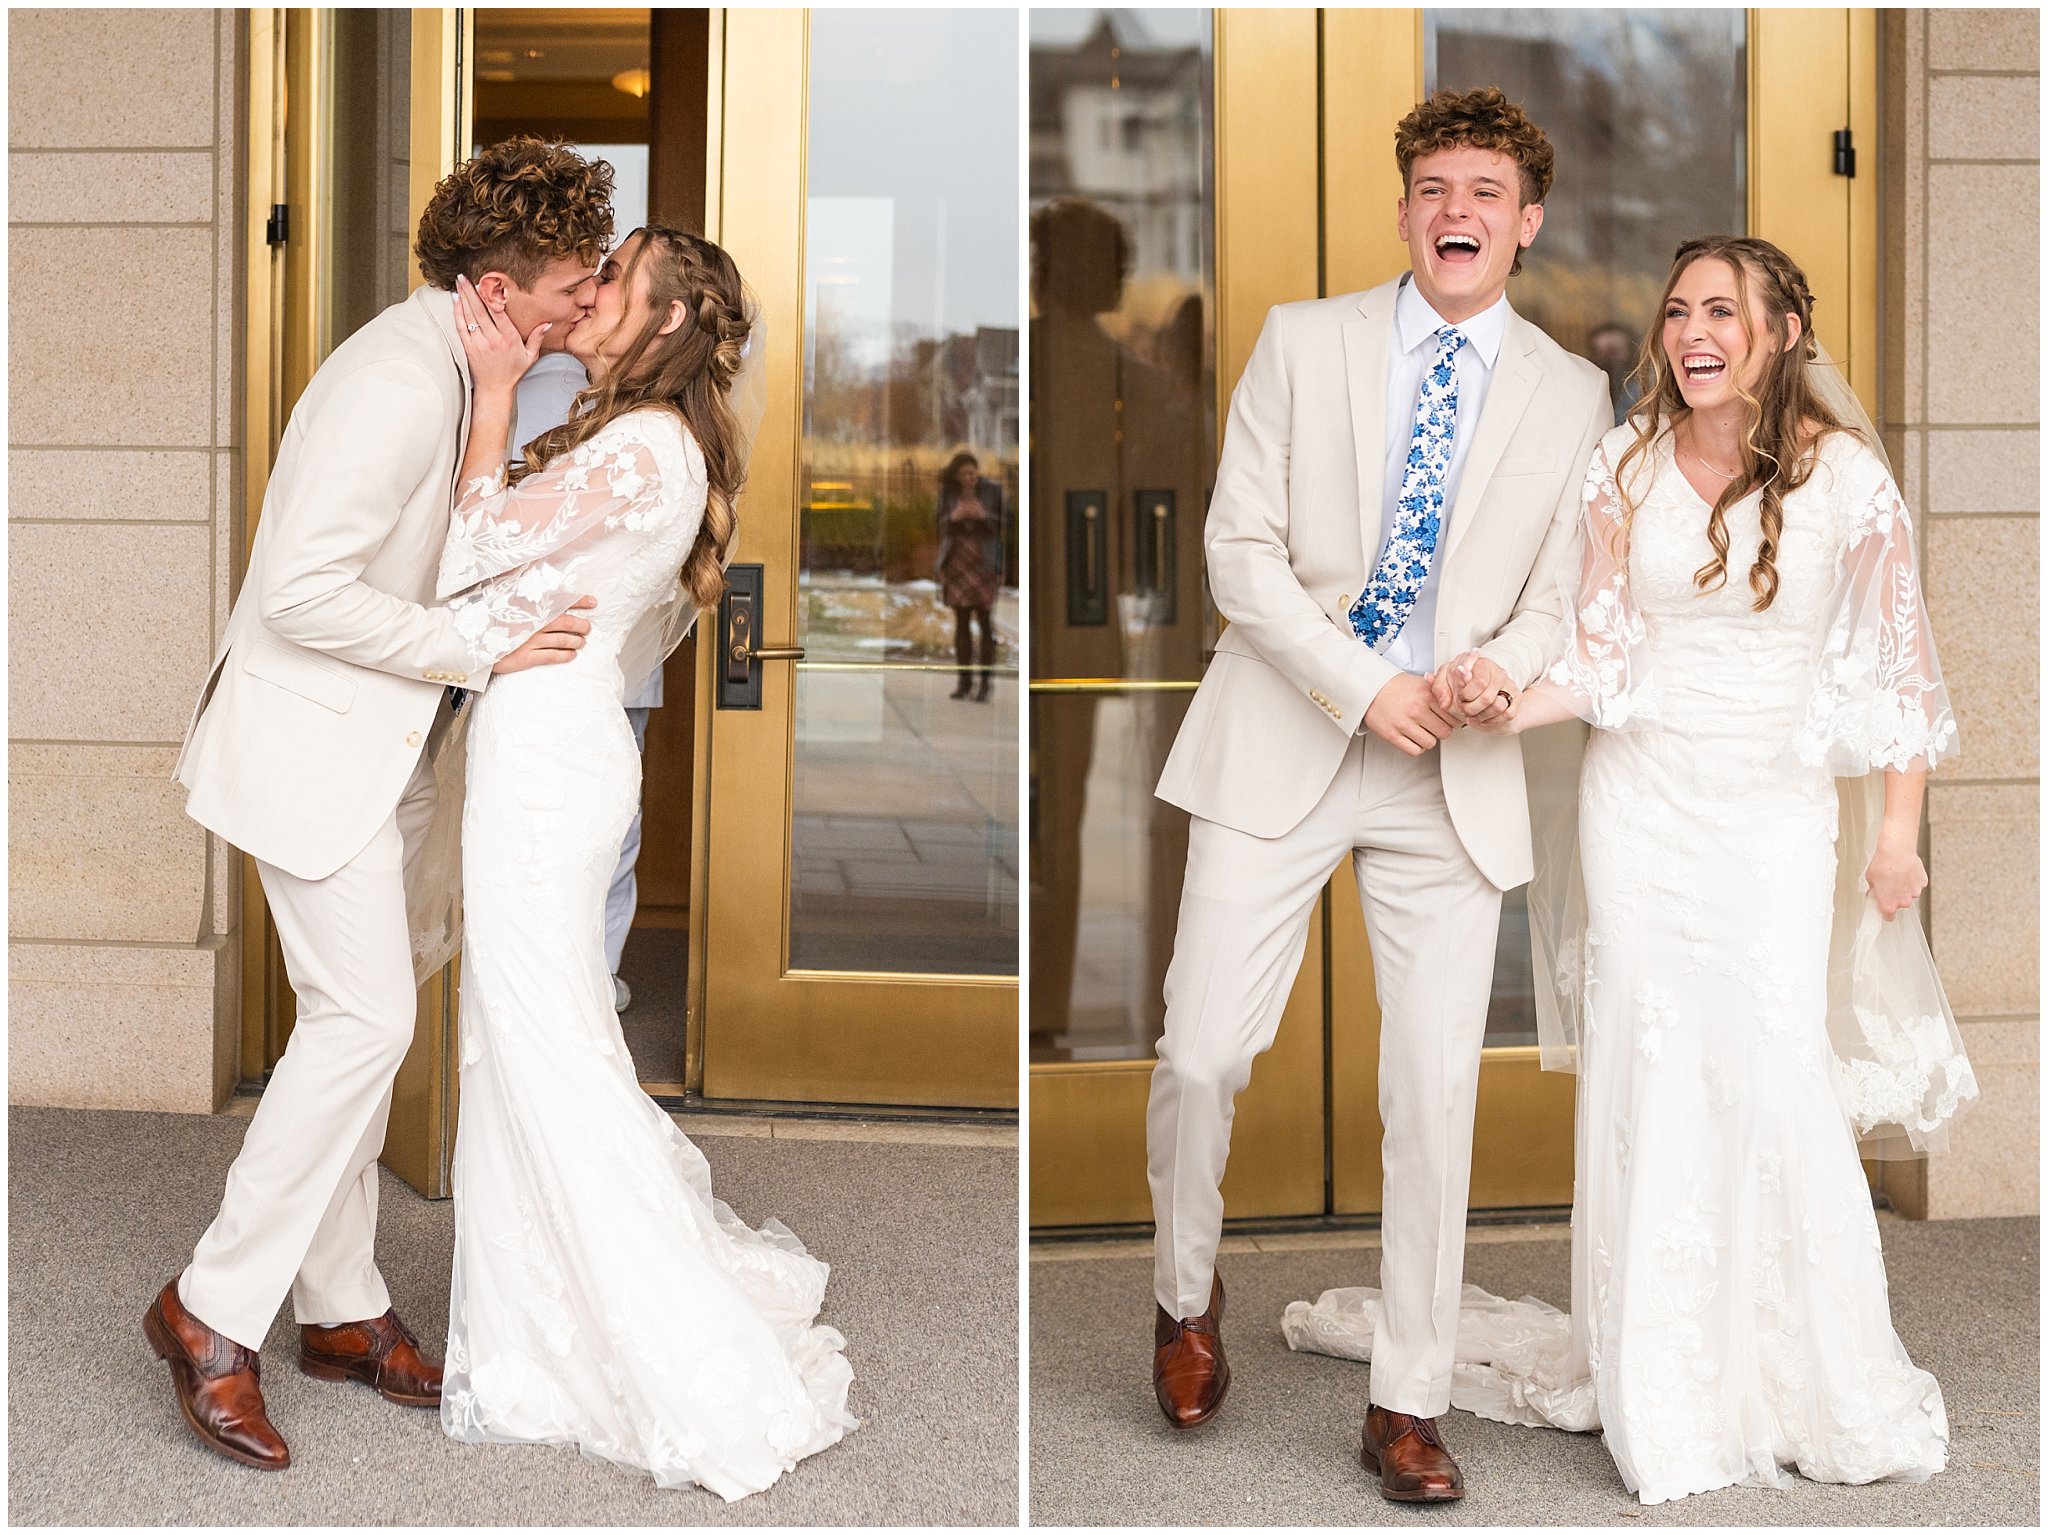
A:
{"x":1899,"y":1065}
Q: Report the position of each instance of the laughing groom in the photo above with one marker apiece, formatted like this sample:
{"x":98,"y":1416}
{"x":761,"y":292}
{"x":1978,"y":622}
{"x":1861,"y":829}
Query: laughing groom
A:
{"x":1397,"y":495}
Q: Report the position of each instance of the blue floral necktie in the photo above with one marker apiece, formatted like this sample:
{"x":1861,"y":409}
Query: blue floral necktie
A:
{"x":1390,"y":594}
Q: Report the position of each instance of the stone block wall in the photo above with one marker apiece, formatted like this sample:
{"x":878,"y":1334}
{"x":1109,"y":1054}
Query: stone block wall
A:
{"x":123,"y":478}
{"x":1960,"y":100}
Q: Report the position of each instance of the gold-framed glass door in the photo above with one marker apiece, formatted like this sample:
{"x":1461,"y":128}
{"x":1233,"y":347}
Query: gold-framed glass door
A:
{"x":353,"y":117}
{"x":1748,"y":103}
{"x":860,"y":879}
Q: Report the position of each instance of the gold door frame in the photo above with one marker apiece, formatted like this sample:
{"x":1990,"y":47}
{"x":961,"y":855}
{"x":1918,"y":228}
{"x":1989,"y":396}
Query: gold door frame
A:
{"x":1810,"y":72}
{"x":768,"y":1030}
{"x":289,"y":99}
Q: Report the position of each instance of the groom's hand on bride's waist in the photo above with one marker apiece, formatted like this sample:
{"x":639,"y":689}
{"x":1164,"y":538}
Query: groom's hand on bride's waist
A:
{"x":551,"y":646}
{"x":1407,"y":714}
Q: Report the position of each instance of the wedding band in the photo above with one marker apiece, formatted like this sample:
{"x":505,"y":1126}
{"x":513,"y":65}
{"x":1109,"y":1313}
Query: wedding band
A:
{"x":474,"y":326}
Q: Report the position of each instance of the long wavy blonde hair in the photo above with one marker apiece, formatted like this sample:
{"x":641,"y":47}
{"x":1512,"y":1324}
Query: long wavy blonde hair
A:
{"x":1780,"y":445}
{"x":689,"y":371}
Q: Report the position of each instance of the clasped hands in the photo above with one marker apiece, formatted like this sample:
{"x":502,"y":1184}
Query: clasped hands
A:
{"x":1413,"y":713}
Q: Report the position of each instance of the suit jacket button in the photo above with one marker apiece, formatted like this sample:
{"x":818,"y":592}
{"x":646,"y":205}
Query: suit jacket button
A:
{"x":412,"y":738}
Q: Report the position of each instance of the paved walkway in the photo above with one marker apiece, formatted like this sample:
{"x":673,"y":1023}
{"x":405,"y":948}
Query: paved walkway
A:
{"x":103,"y":1207}
{"x":1284,"y":1449}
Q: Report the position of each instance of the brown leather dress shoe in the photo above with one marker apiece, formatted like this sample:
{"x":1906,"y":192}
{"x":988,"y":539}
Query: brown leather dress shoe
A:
{"x":215,"y":1379}
{"x":381,"y":1352}
{"x":1189,"y":1373}
{"x":1409,"y":1457}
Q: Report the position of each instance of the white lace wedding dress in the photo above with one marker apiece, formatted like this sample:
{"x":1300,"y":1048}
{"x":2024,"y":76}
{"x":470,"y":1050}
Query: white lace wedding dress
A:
{"x":1729,"y":1310}
{"x":602,"y":1296}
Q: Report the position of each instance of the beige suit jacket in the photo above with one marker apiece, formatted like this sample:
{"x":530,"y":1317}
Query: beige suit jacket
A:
{"x":1295,"y":518}
{"x":336,"y":659}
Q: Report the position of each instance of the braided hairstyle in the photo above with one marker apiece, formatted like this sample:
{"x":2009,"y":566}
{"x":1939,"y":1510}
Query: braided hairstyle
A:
{"x":690,"y":371}
{"x":1780,"y":443}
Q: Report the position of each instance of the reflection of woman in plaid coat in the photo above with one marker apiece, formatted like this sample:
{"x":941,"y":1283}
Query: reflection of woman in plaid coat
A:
{"x":970,"y":565}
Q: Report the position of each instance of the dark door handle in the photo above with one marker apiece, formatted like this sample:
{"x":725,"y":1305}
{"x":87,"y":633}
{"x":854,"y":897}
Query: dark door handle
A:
{"x":739,"y":620}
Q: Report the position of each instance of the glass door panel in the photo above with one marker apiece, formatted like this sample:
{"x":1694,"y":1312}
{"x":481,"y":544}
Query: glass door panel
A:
{"x":861,"y":882}
{"x":1135,"y":267}
{"x":905,"y":789}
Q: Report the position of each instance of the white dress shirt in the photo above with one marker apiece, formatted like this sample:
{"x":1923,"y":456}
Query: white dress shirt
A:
{"x":544,"y":396}
{"x":1413,"y":648}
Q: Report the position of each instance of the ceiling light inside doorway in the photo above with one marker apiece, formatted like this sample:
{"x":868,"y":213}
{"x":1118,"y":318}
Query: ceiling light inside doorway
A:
{"x":634,"y":82}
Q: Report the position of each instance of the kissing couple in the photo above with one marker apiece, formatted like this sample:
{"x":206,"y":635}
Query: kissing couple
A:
{"x":1428,"y":537}
{"x":413,"y":599}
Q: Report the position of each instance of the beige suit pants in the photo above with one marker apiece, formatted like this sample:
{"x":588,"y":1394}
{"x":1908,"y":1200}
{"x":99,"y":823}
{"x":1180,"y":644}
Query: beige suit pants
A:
{"x":1432,"y":918}
{"x":300,"y":1211}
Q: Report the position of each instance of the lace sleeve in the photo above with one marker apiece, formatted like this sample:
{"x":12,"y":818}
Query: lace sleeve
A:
{"x":1878,"y":700}
{"x":511,"y":560}
{"x":1598,"y":656}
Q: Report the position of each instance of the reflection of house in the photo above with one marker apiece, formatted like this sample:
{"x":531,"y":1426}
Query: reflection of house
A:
{"x":1117,"y":119}
{"x":936,"y":391}
{"x":990,"y":396}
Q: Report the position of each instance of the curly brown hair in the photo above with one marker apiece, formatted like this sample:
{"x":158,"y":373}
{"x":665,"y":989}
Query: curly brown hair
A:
{"x":1477,"y":119}
{"x":1783,"y":421}
{"x":513,"y":208}
{"x":689,"y":372}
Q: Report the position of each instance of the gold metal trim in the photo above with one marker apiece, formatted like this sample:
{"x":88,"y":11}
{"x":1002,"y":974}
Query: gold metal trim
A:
{"x":768,"y":1031}
{"x":1810,"y":73}
{"x":420,"y":1142}
{"x":262,"y":424}
{"x":1372,"y":72}
{"x":1108,"y":685}
{"x":700,"y":743}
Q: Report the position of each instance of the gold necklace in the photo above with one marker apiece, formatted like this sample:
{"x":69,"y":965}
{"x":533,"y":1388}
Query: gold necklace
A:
{"x":1726,"y":474}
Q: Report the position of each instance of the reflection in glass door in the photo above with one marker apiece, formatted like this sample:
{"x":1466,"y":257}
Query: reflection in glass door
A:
{"x":1123,"y":293}
{"x":1136,"y":269}
{"x":1625,"y":97}
{"x":861,"y":880}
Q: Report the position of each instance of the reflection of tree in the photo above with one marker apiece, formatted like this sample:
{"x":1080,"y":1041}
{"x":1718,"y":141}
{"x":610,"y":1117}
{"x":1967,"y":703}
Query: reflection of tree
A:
{"x":1646,"y":110}
{"x":951,"y":391}
{"x":876,"y":434}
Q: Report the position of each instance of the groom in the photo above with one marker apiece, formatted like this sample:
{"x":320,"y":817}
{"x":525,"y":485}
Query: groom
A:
{"x":312,"y":751}
{"x":1397,"y":496}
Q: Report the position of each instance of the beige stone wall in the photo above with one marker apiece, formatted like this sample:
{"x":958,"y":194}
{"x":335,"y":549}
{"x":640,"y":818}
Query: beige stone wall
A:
{"x":122,"y":479}
{"x":1961,"y":158}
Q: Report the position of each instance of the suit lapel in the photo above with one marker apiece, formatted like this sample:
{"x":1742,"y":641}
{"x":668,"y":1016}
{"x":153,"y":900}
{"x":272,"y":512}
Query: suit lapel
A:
{"x":440,"y":309}
{"x":1366,"y":340}
{"x":1513,"y":387}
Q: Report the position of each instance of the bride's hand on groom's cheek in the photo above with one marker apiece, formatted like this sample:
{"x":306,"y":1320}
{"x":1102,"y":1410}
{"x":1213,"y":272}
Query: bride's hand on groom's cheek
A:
{"x":498,"y":355}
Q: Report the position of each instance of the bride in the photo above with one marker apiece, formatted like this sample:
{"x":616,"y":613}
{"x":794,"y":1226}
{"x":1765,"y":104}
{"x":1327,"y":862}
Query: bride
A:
{"x":1748,"y":628}
{"x":602,"y":1296}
